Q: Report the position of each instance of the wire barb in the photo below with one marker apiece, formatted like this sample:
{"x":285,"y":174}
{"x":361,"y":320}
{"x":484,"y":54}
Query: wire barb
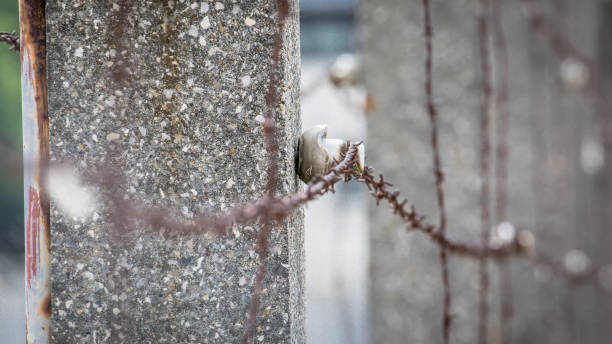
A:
{"x":11,"y":39}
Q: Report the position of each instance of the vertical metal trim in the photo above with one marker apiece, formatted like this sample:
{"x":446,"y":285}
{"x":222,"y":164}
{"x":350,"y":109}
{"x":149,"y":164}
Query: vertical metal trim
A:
{"x":36,"y":158}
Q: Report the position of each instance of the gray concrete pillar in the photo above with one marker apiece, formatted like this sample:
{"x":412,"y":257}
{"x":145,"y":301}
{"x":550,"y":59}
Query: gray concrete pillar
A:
{"x":173,"y":93}
{"x":557,"y":179}
{"x":406,"y":288}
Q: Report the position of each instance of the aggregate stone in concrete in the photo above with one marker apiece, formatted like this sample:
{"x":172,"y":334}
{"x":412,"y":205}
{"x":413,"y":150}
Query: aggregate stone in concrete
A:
{"x":173,"y":92}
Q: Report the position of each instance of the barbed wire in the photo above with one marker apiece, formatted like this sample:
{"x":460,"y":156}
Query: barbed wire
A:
{"x":437,"y":169}
{"x":124,"y":210}
{"x":269,"y":134}
{"x":271,"y":209}
{"x":485,"y":144}
{"x":11,"y":39}
{"x":542,"y":24}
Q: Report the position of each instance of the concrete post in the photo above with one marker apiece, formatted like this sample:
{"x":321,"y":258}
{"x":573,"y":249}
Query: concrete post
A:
{"x":556,"y":179}
{"x":173,"y":92}
{"x":406,"y":289}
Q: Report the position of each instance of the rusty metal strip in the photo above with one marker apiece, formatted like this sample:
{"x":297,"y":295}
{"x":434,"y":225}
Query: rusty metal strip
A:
{"x":36,"y":158}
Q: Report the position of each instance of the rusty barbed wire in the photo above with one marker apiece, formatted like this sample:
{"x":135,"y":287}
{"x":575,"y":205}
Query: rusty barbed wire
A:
{"x":522,"y":243}
{"x":550,"y":31}
{"x":126,"y":210}
{"x":269,"y":134}
{"x":485,"y":217}
{"x":437,"y":170}
{"x":11,"y":39}
{"x":541,"y":23}
{"x":416,"y":222}
{"x":271,"y":209}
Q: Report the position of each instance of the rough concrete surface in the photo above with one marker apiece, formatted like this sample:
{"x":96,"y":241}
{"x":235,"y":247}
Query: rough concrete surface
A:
{"x":173,"y":92}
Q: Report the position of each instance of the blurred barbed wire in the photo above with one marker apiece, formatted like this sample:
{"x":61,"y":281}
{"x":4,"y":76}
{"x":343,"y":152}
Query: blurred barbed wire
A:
{"x":11,"y":39}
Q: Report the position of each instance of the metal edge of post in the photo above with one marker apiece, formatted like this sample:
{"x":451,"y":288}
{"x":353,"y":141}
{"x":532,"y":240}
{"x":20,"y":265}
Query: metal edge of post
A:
{"x":35,"y":121}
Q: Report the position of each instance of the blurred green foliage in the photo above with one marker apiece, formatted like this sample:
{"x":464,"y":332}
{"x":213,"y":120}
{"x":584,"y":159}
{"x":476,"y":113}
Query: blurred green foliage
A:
{"x":10,"y":92}
{"x":11,"y":194}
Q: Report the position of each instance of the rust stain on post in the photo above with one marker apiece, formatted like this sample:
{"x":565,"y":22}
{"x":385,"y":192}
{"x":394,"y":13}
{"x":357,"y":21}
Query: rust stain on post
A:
{"x":45,"y":307}
{"x":36,"y":158}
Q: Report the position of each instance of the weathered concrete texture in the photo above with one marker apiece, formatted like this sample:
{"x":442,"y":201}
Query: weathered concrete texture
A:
{"x":548,"y":189}
{"x":174,"y":93}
